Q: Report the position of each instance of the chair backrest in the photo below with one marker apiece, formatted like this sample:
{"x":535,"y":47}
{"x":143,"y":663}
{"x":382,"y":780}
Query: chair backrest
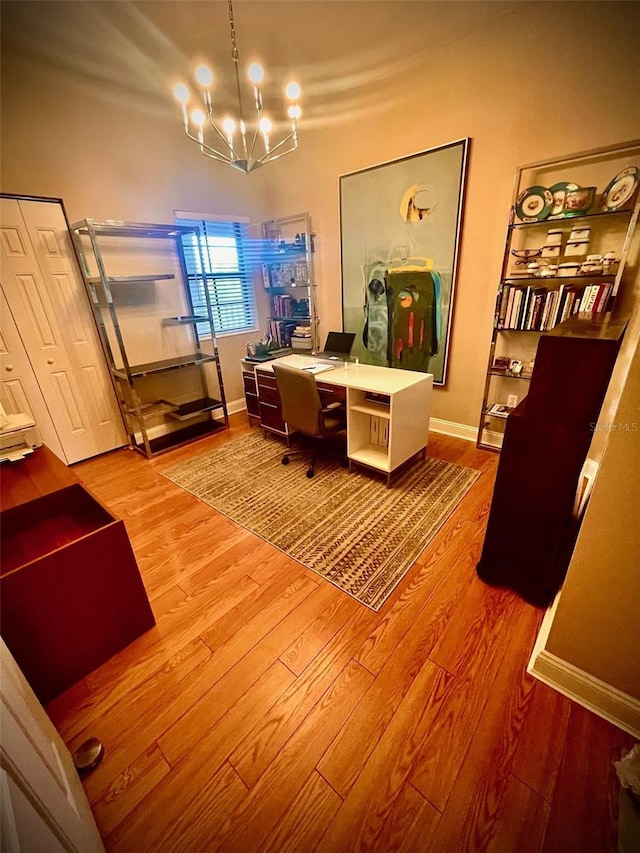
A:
{"x":301,"y":406}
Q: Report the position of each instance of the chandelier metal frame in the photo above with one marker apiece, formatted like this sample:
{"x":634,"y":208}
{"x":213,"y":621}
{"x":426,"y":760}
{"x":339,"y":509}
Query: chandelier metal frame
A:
{"x":243,"y":156}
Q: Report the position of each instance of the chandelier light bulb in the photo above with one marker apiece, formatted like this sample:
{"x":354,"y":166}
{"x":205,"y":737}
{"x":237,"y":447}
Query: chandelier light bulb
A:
{"x":181,"y":93}
{"x":255,"y":72}
{"x":204,"y":76}
{"x":244,"y":143}
{"x":197,"y":117}
{"x":293,"y":91}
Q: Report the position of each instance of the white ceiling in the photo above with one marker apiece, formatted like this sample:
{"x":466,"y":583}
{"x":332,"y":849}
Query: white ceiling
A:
{"x":348,"y":55}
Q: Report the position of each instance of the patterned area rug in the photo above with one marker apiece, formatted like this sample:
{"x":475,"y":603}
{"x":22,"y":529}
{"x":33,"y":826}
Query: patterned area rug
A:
{"x":349,"y":528}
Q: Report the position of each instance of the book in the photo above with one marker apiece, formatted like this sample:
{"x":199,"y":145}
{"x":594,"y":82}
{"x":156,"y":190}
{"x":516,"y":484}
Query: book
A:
{"x":318,"y":368}
{"x":586,"y":296}
{"x":594,"y":292}
{"x":375,"y":428}
{"x":383,"y":432}
{"x":500,"y":410}
{"x":538,"y":303}
{"x":603,"y":298}
{"x":549,"y":310}
{"x":507,"y":319}
{"x":524,"y":312}
{"x":305,"y":344}
{"x":503,"y":307}
{"x":557,"y":311}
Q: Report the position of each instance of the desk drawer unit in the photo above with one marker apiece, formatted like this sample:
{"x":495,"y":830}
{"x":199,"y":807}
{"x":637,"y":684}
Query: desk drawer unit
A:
{"x":270,"y":407}
{"x":268,"y":392}
{"x":332,"y":393}
{"x":251,"y":394}
{"x":271,"y":417}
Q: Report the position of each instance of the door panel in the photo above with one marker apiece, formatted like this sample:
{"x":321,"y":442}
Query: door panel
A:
{"x":37,"y":311}
{"x":50,"y":237}
{"x":57,"y":349}
{"x":44,"y":806}
{"x":30,"y":307}
{"x":19,"y":389}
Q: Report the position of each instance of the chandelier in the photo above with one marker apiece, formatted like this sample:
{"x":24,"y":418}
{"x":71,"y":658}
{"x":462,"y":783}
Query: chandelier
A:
{"x":251,"y":146}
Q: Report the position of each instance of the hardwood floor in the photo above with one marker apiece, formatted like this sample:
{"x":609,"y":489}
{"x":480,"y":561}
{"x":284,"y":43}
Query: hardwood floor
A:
{"x":268,"y":711}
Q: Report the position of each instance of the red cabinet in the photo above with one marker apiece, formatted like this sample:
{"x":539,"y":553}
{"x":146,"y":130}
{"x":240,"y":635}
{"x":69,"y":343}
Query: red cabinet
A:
{"x":531,"y":530}
{"x":71,"y":594}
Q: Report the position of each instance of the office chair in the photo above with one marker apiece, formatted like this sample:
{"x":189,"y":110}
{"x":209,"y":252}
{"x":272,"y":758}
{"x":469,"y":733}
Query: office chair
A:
{"x":303,"y":411}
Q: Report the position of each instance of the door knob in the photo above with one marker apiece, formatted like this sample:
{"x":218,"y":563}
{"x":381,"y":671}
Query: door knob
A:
{"x":9,"y":368}
{"x":49,"y":361}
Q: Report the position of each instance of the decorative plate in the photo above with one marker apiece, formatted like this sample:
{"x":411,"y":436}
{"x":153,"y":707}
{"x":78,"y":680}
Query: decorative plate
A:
{"x":620,"y":189}
{"x":559,"y":192}
{"x":534,"y":204}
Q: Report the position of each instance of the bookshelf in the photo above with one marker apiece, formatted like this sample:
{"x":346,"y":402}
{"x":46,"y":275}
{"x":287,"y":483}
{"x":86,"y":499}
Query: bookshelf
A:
{"x":567,"y":251}
{"x":168,"y":383}
{"x":287,"y":272}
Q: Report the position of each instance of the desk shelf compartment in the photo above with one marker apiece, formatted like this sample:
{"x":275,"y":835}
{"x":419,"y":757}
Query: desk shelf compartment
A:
{"x":152,"y":336}
{"x":369,"y":433}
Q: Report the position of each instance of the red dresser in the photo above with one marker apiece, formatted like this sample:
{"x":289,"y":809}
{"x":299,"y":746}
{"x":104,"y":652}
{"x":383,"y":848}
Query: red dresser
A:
{"x":71,"y":594}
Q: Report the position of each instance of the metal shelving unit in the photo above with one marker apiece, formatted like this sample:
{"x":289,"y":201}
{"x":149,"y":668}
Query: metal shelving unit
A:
{"x":288,"y":277}
{"x":609,"y":229}
{"x":169,"y":386}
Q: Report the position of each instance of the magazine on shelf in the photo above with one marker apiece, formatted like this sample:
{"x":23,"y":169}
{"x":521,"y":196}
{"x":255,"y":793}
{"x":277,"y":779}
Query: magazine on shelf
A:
{"x":500,"y":410}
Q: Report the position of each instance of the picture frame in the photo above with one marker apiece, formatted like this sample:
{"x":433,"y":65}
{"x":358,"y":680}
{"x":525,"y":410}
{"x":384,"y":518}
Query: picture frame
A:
{"x":400,"y":227}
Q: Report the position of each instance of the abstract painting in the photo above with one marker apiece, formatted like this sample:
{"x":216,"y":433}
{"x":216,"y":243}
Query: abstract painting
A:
{"x":400,"y":225}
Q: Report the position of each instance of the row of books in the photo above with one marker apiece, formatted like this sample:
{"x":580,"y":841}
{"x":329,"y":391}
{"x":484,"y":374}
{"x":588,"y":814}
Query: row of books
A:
{"x":379,"y":431}
{"x":287,"y":306}
{"x":281,"y":331}
{"x":539,"y":309}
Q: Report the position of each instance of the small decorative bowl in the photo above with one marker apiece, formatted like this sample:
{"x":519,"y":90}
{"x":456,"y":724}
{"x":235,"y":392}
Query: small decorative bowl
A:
{"x":525,"y":254}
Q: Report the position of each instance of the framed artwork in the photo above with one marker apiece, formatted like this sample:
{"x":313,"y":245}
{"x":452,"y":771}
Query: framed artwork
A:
{"x":400,"y":230}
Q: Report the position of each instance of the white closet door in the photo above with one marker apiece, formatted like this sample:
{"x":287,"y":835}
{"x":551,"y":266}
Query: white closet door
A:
{"x":52,"y":244}
{"x":31,"y":305}
{"x":45,"y":327}
{"x":19,"y":391}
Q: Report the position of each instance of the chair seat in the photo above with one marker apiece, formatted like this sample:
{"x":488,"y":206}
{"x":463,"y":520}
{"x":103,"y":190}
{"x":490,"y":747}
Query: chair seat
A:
{"x":334,"y":423}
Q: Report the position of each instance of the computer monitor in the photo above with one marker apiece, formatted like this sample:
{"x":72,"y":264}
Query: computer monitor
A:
{"x":338,"y":343}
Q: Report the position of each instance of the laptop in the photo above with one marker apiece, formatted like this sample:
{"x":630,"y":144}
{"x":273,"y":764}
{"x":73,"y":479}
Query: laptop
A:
{"x":338,"y":345}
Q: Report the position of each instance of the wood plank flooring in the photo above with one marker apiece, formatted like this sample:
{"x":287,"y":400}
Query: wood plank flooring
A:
{"x":268,"y":711}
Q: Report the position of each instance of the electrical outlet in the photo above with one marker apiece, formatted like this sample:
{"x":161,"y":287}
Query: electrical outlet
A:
{"x":512,"y":400}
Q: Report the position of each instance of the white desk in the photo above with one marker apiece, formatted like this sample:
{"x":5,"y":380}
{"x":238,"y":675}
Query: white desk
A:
{"x":407,"y":412}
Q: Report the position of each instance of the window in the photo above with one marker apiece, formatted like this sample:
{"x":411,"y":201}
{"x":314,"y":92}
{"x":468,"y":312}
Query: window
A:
{"x":227,"y":275}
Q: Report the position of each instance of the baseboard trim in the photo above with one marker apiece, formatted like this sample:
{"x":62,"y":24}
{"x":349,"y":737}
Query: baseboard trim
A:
{"x":468,"y":433}
{"x":595,"y":695}
{"x":236,"y":406}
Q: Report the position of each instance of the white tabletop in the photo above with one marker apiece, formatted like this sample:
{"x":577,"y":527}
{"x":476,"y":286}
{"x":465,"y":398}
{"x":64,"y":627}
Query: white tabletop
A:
{"x":365,"y":377}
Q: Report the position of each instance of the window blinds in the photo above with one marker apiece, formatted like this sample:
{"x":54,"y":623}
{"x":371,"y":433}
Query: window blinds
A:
{"x":217,"y":261}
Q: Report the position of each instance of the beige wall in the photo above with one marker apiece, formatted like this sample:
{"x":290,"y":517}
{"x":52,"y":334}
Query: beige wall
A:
{"x":87,"y":117}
